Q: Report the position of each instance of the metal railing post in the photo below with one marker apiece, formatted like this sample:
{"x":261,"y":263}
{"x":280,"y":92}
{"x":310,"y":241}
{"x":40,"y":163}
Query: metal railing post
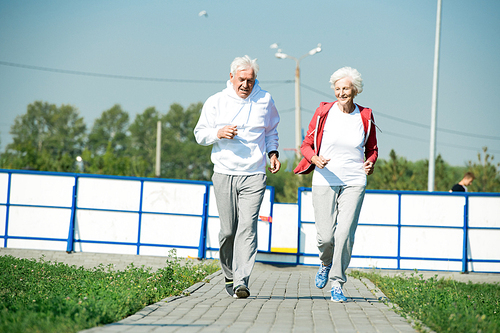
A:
{"x":7,"y":210}
{"x":465,"y":263}
{"x":202,"y":247}
{"x":71,"y":233}
{"x":299,"y":221}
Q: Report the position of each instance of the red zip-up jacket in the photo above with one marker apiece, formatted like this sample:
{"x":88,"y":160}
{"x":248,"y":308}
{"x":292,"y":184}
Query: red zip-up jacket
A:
{"x":312,"y":142}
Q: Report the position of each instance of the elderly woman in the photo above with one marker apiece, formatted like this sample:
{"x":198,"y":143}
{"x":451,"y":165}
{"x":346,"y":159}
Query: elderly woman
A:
{"x":341,"y":147}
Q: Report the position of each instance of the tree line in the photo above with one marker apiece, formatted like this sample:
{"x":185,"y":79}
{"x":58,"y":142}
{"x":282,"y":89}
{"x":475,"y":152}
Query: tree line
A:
{"x":50,"y":138}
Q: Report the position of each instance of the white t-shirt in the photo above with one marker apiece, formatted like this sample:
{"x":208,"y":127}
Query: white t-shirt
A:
{"x":342,"y":143}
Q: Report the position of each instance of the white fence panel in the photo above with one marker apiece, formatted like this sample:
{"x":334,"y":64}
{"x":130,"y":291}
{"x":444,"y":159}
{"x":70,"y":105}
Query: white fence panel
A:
{"x":103,"y":193}
{"x":484,"y":212}
{"x":27,"y":189}
{"x":4,"y":187}
{"x":379,"y":209}
{"x":170,"y":229}
{"x":173,"y":198}
{"x":39,"y":222}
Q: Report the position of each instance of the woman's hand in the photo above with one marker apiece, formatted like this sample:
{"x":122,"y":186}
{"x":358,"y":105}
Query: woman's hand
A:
{"x":369,"y":167}
{"x":319,"y":161}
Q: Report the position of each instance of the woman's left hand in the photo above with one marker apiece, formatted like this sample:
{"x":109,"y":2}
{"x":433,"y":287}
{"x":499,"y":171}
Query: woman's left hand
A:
{"x":369,"y":167}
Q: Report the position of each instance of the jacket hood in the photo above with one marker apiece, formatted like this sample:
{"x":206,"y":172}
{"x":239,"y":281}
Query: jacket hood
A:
{"x":229,"y":91}
{"x":325,"y":107}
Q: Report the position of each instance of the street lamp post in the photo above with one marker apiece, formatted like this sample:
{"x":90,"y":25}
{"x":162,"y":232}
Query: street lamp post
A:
{"x":298,"y":125}
{"x":432,"y":150}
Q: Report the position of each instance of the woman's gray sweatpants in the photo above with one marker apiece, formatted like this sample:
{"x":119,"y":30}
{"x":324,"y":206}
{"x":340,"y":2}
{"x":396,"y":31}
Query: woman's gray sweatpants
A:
{"x":238,"y":202}
{"x":336,"y":213}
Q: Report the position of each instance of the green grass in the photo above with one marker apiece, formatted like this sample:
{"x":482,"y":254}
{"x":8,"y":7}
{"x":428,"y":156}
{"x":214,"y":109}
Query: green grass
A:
{"x":42,"y":296}
{"x":444,"y":305}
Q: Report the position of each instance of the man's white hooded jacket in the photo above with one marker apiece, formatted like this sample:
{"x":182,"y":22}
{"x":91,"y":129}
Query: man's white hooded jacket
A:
{"x":256,"y":119}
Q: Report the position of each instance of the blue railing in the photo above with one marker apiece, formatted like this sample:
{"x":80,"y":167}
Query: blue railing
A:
{"x":465,"y":257}
{"x":70,"y":207}
{"x":75,"y":207}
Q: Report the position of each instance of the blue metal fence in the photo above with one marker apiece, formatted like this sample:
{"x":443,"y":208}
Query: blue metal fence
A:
{"x":465,"y":258}
{"x":71,"y":240}
{"x":72,"y":207}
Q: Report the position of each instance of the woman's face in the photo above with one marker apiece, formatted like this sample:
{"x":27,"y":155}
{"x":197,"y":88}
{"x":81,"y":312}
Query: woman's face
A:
{"x":344,"y":91}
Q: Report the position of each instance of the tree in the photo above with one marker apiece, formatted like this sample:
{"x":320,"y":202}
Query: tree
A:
{"x":110,"y":128}
{"x":46,"y":138}
{"x":446,"y":175}
{"x":142,"y":150}
{"x":394,"y":174}
{"x":487,"y":174}
{"x":182,"y":156}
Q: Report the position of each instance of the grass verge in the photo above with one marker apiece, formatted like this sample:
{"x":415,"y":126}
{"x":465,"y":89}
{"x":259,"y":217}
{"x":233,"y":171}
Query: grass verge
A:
{"x":444,"y":305}
{"x":44,"y":296}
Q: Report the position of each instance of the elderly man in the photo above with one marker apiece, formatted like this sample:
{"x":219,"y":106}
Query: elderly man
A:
{"x":241,"y":123}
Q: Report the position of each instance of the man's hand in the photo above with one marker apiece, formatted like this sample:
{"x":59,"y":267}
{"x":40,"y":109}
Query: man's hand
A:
{"x":275,"y":164}
{"x":369,"y":167}
{"x":320,"y":161}
{"x":227,"y":132}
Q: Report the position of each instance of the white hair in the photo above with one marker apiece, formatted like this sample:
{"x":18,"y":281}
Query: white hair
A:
{"x":242,"y":63}
{"x":352,"y":74}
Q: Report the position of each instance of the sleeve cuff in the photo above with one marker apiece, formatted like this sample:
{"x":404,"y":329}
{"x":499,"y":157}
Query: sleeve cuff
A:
{"x":273,"y":152}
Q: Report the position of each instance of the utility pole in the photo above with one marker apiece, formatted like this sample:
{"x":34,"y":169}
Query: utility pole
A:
{"x":298,"y":122}
{"x":158,"y":149}
{"x":432,"y":154}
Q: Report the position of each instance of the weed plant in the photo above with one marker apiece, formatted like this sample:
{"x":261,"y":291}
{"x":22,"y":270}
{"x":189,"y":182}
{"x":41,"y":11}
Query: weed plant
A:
{"x":444,"y":305}
{"x":44,"y":296}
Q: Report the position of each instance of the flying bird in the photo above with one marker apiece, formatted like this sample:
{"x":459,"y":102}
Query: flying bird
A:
{"x":203,"y":13}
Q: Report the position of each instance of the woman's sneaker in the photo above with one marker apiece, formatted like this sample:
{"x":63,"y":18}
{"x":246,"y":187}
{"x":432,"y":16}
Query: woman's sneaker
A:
{"x":338,"y":295}
{"x":229,"y":287}
{"x":241,"y":292}
{"x":322,"y":276}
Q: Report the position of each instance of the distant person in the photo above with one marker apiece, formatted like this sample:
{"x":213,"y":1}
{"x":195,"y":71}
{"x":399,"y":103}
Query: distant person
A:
{"x":341,"y":145}
{"x":462,"y":185}
{"x":241,"y":123}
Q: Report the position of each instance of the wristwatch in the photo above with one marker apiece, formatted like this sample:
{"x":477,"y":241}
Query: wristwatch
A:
{"x":273,"y":152}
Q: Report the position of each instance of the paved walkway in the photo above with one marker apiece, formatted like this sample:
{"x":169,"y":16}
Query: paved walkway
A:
{"x":283,"y":299}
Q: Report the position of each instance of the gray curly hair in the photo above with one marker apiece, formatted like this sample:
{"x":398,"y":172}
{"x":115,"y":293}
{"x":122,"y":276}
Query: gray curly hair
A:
{"x":241,"y":63}
{"x":351,"y":73}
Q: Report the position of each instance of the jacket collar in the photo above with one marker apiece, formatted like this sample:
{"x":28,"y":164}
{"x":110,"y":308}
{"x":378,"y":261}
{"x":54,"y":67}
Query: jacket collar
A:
{"x":229,"y":91}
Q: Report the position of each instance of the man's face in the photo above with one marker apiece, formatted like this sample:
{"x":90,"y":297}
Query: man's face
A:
{"x":243,"y":82}
{"x":468,"y":181}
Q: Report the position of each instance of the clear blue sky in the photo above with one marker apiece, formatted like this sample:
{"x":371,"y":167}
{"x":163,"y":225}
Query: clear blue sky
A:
{"x":390,"y":42}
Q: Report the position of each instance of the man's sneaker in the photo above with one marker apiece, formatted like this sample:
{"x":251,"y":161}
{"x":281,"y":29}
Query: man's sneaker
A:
{"x":338,"y":295}
{"x":229,"y":287}
{"x":241,"y":292}
{"x":322,"y":276}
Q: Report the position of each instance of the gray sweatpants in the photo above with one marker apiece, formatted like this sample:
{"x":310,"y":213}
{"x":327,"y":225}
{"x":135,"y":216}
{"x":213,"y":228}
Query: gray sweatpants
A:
{"x":238,"y":202}
{"x":336,"y":212}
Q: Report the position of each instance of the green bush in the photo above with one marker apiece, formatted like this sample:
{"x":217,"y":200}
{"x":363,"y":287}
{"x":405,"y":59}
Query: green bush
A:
{"x":443,"y":305}
{"x":41,"y":296}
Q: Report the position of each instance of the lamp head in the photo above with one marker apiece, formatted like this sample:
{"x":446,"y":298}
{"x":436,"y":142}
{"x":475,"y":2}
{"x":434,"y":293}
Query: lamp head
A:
{"x":315,"y":50}
{"x":280,"y":55}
